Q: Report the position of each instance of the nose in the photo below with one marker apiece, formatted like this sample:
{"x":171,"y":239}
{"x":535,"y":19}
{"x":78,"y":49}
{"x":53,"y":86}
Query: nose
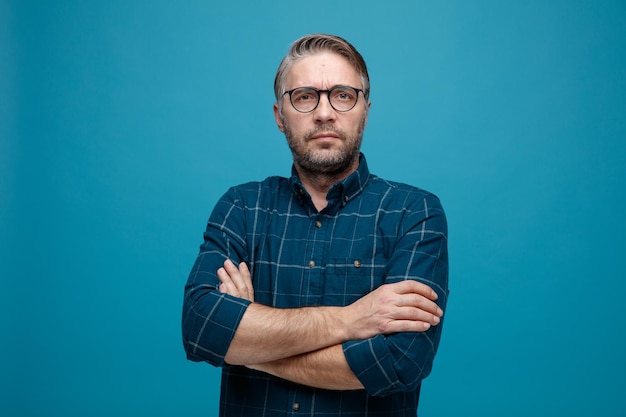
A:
{"x":324,"y":112}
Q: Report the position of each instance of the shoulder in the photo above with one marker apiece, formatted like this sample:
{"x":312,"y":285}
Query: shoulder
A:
{"x":408,"y":206}
{"x":401,"y":193}
{"x":254,"y":191}
{"x":253,"y":196}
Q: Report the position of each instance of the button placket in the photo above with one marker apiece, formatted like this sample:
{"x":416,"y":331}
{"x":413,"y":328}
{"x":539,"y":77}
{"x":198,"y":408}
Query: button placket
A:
{"x":318,"y":224}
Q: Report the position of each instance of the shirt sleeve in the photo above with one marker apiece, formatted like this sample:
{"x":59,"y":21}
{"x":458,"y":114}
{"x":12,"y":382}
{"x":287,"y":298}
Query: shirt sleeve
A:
{"x":210,"y":317}
{"x":397,"y":363}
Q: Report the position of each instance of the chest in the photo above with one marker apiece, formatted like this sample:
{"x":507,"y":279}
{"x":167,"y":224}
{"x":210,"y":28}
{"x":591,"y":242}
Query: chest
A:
{"x":304,"y":260}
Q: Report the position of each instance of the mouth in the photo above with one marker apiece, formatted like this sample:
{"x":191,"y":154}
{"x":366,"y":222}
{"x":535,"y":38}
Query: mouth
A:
{"x":324,"y":136}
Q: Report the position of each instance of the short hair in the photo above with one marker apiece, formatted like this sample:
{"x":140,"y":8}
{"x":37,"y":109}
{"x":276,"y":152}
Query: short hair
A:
{"x":312,"y":44}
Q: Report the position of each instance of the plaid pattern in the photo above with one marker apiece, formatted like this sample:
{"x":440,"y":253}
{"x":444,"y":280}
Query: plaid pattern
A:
{"x":372,"y":232}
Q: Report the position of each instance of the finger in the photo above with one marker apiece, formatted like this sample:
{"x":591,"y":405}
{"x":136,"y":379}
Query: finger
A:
{"x":420,"y":302}
{"x":226,"y":285}
{"x":236,"y":277}
{"x":401,"y":326}
{"x":411,"y":286}
{"x":240,"y":278}
{"x":245,"y":273}
{"x":223,"y":276}
{"x":414,"y":314}
{"x":243,"y":268}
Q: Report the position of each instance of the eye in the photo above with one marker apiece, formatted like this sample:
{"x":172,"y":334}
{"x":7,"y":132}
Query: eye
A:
{"x":343,"y":94}
{"x":303,"y":95}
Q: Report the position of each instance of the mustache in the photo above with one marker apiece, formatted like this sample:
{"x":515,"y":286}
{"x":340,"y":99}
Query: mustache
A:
{"x":324,"y":129}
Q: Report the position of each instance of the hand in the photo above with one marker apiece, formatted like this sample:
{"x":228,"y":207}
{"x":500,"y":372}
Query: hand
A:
{"x":236,"y":281}
{"x":406,"y":306}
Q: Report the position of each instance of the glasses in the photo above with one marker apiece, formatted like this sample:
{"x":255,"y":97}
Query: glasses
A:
{"x":306,"y":99}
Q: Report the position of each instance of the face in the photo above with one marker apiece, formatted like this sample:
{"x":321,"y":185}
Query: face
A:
{"x":323,"y":141}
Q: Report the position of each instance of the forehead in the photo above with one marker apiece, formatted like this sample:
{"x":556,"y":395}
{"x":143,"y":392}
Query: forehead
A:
{"x":322,"y":70}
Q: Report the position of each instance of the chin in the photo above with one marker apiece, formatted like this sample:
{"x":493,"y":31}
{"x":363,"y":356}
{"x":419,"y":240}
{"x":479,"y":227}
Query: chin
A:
{"x":327,"y":162}
{"x":326,"y":157}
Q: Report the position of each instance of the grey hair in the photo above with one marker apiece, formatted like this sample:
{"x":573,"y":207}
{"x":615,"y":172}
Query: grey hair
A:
{"x":312,"y":44}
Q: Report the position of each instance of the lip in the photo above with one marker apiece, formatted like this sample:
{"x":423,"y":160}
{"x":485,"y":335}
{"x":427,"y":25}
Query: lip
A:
{"x":325,"y":135}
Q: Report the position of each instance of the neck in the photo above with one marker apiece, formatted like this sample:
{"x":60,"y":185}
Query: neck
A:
{"x":317,"y":184}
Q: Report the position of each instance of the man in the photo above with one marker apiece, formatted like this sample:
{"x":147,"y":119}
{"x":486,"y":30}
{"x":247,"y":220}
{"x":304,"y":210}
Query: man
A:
{"x":320,"y":294}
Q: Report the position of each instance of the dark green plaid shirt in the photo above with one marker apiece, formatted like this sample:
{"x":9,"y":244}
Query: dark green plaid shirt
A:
{"x":372,"y":232}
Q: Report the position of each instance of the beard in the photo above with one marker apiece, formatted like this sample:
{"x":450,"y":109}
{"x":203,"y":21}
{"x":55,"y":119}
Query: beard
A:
{"x":325,"y":161}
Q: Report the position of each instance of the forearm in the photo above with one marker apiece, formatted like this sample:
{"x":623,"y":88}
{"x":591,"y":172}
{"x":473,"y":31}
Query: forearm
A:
{"x":325,"y":368}
{"x":267,"y":334}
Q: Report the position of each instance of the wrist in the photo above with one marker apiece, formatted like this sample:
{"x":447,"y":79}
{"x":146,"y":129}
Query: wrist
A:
{"x":339,"y":322}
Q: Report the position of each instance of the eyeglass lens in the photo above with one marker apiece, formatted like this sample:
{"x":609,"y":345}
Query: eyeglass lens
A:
{"x":341,"y":98}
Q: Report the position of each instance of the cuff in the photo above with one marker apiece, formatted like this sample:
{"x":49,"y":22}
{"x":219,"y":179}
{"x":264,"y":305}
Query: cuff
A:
{"x":373,"y":365}
{"x":215,"y":331}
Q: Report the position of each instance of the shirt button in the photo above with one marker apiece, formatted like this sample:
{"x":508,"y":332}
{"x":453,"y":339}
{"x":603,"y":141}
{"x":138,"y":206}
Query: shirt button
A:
{"x":318,"y":224}
{"x":296,"y":406}
{"x":311,"y":264}
{"x":357,"y":264}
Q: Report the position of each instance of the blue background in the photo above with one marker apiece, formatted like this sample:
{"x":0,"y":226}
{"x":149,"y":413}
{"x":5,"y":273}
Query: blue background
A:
{"x":122,"y":123}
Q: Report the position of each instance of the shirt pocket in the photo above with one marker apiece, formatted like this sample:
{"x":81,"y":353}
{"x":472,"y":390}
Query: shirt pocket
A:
{"x":348,"y":279}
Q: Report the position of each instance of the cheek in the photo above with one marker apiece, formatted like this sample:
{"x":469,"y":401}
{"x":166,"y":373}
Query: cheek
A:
{"x":294,"y":125}
{"x":357,"y":124}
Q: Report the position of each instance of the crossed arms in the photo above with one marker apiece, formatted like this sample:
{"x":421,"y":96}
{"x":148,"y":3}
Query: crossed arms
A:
{"x":304,"y":345}
{"x":383,"y":340}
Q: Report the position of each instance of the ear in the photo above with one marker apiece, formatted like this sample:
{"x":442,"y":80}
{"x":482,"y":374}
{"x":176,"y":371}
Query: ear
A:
{"x":279,"y":119}
{"x":367,"y":115}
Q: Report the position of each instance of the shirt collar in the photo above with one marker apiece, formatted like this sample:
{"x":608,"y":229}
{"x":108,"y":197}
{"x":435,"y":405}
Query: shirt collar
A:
{"x":341,"y":192}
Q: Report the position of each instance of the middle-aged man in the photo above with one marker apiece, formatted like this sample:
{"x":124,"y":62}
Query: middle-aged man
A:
{"x":320,"y":294}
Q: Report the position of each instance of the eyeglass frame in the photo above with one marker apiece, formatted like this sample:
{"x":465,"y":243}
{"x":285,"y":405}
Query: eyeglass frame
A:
{"x":319,"y":97}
